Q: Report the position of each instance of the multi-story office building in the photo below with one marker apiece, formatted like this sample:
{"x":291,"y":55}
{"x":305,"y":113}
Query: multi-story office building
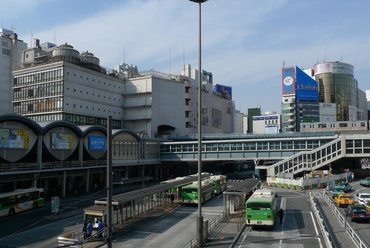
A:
{"x":11,"y":47}
{"x":58,"y":83}
{"x":338,"y":85}
{"x":241,"y":122}
{"x":311,"y":96}
{"x":162,"y":105}
{"x":251,"y":113}
{"x":269,"y":123}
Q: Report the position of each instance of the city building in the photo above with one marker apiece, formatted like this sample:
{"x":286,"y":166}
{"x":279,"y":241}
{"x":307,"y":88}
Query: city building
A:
{"x":161,"y":105}
{"x":269,"y":123}
{"x":327,"y":93}
{"x":251,"y":113}
{"x":241,"y":122}
{"x":11,"y":48}
{"x":53,"y":83}
{"x":59,"y":83}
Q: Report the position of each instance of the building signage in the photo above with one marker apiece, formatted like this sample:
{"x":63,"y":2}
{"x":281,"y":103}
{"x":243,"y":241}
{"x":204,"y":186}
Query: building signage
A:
{"x":223,"y":91}
{"x":97,"y":143}
{"x":333,"y":67}
{"x":307,"y":88}
{"x":288,"y":81}
{"x":14,"y":138}
{"x":61,"y":141}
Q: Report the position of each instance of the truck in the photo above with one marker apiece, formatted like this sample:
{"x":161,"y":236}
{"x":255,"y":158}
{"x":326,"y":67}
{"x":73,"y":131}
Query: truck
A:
{"x":344,"y":200}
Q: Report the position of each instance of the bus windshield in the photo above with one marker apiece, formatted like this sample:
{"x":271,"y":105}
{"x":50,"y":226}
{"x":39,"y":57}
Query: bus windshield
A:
{"x":259,"y":205}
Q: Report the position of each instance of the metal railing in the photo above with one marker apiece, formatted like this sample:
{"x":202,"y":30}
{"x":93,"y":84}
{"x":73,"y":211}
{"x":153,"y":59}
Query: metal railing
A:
{"x":211,"y":227}
{"x":354,"y":235}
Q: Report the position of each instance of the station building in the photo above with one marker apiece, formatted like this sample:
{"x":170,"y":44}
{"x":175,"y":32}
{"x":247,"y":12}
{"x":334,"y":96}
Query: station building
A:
{"x":67,"y":159}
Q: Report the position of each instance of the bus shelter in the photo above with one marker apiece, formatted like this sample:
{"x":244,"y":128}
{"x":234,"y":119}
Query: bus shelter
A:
{"x":236,"y":196}
{"x":134,"y":203}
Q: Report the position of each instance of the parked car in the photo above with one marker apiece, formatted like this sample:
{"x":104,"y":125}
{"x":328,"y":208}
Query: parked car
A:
{"x":357,"y":213}
{"x":365,"y":182}
{"x":362,"y":198}
{"x":346,"y":187}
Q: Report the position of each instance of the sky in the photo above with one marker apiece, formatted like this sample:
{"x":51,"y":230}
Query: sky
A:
{"x":245,"y":43}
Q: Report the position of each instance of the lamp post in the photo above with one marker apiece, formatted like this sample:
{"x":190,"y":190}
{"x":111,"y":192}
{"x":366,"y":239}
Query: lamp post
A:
{"x":200,"y":217}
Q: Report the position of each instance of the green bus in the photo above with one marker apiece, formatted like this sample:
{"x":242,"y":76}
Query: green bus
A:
{"x":189,"y":193}
{"x":21,"y":200}
{"x":261,"y":208}
{"x":219,"y":183}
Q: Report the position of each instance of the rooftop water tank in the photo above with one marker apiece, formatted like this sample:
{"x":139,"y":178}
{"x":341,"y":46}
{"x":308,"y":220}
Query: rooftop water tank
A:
{"x":88,"y":60}
{"x":66,"y":53}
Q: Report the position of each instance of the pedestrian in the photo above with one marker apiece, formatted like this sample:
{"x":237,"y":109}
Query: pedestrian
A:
{"x":280,"y":213}
{"x":172,"y":198}
{"x":60,"y":210}
{"x":84,"y":229}
{"x":89,"y":229}
{"x":100,"y":228}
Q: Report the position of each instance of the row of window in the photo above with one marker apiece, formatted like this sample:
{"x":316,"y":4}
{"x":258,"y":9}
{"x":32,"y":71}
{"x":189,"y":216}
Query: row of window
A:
{"x":79,"y":120}
{"x":38,"y":91}
{"x":38,"y":106}
{"x":39,"y":76}
{"x":246,"y":146}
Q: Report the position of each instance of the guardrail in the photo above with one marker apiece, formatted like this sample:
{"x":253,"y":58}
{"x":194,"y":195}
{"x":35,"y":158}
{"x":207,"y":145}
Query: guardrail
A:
{"x":211,"y":226}
{"x":322,"y":223}
{"x":354,"y":235}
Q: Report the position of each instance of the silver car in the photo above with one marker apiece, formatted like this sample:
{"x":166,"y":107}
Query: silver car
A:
{"x":362,"y":198}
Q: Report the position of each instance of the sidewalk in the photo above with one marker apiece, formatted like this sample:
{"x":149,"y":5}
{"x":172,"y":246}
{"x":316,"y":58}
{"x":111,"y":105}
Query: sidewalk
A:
{"x":134,"y":223}
{"x":227,"y":232}
{"x":338,"y":233}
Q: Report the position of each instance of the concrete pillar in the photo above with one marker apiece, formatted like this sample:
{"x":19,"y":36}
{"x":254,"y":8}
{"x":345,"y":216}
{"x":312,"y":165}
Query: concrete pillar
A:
{"x":64,"y":179}
{"x":87,"y":183}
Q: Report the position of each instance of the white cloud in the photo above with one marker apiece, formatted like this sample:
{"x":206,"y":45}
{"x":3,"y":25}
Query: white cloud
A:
{"x":244,"y":42}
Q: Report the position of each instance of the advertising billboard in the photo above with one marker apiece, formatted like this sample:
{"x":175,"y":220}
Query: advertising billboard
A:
{"x":223,"y":91}
{"x":61,"y":141}
{"x":97,"y":143}
{"x":288,"y":81}
{"x":306,"y":88}
{"x":333,"y":67}
{"x":14,"y":138}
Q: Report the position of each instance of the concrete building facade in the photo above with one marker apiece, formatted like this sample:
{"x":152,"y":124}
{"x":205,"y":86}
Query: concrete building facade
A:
{"x":11,"y":47}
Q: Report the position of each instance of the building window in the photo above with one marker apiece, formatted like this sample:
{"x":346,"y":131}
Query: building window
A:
{"x":6,"y":51}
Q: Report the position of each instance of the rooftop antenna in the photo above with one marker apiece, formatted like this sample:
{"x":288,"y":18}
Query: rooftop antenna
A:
{"x":183,"y":55}
{"x":170,"y":61}
{"x":124,"y":55}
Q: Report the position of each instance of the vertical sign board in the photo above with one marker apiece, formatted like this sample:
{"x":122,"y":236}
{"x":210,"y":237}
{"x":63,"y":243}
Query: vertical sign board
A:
{"x":288,"y":81}
{"x":232,"y":206}
{"x":55,"y":203}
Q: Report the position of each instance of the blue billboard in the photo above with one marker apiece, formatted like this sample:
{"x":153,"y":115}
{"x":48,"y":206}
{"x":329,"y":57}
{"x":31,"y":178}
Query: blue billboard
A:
{"x":223,"y":91}
{"x":306,"y":88}
{"x":288,"y":81}
{"x":97,"y":143}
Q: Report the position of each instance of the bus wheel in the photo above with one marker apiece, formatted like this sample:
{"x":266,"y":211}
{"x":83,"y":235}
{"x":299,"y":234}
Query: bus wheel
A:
{"x":11,"y":212}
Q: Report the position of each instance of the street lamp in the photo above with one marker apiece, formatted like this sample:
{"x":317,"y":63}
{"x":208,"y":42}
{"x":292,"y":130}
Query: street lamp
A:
{"x":200,"y":217}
